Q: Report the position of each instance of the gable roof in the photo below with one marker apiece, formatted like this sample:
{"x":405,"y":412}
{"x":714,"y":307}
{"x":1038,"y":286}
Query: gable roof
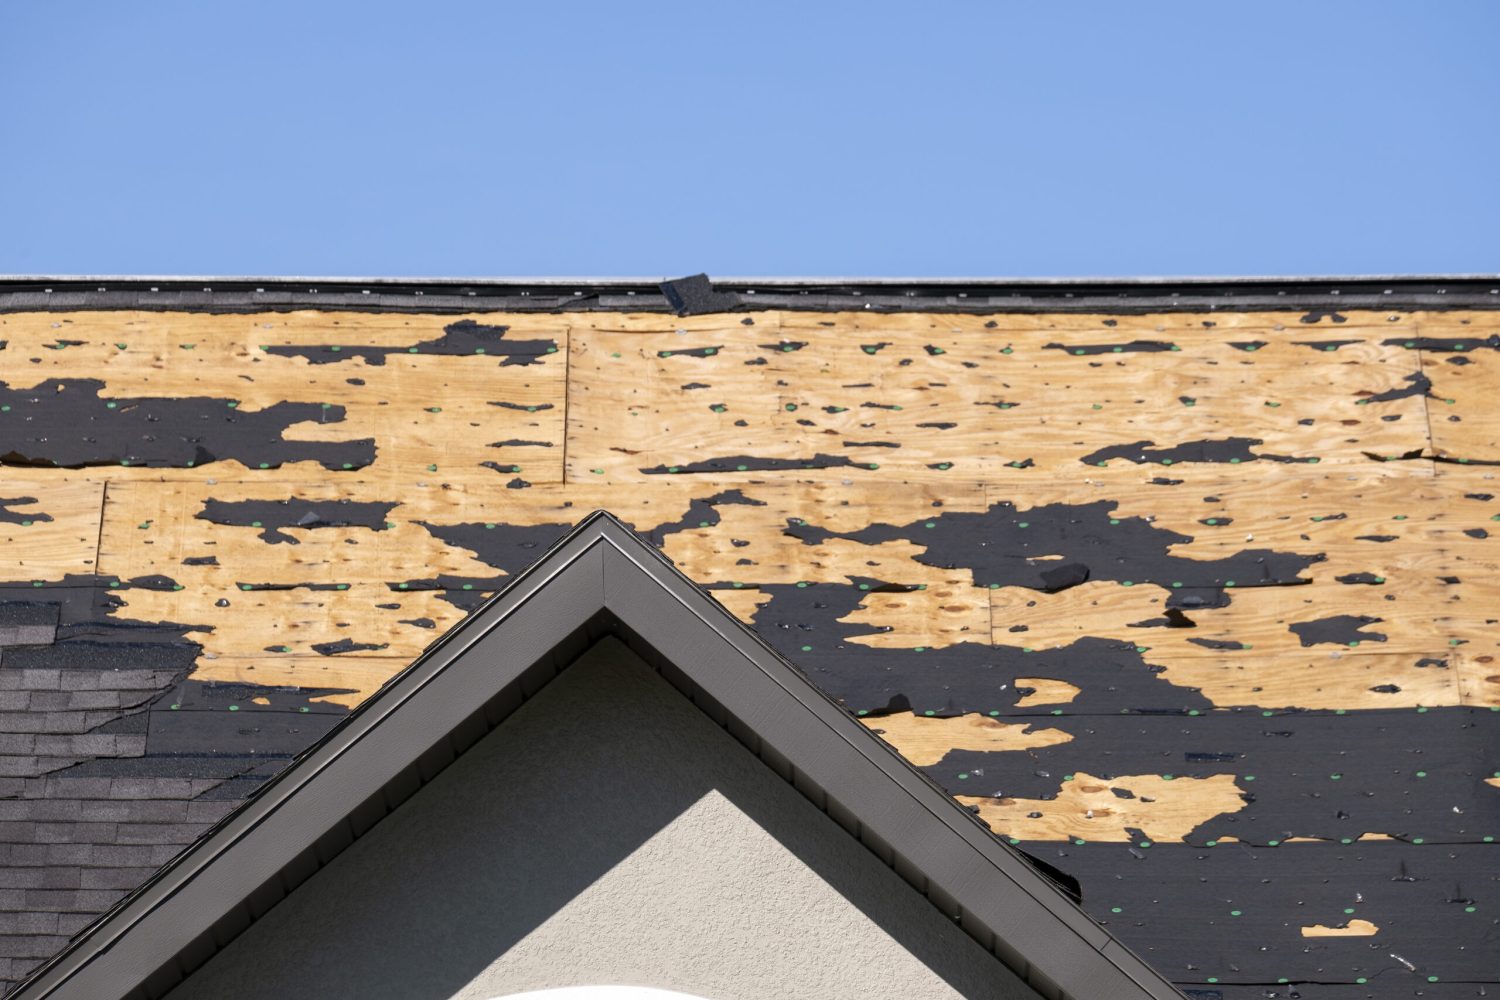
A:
{"x":600,"y":579}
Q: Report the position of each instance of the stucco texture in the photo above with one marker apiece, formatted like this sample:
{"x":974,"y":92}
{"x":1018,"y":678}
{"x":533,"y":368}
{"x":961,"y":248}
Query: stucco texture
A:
{"x":607,"y":833}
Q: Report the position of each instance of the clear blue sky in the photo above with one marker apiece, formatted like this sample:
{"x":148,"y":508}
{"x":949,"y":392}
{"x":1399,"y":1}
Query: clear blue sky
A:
{"x":553,"y":138}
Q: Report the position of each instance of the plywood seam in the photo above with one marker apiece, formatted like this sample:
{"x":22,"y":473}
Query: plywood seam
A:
{"x":989,"y":596}
{"x":567,"y":395}
{"x":99,"y":531}
{"x":1419,"y":323}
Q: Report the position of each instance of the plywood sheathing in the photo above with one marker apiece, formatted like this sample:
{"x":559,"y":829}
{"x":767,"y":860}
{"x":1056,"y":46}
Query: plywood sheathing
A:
{"x":1047,"y":557}
{"x":927,"y":386}
{"x":1245,"y":653}
{"x":482,"y":414}
{"x":949,"y":397}
{"x":48,"y":527}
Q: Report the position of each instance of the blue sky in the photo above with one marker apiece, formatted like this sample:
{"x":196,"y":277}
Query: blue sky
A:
{"x":998,"y":139}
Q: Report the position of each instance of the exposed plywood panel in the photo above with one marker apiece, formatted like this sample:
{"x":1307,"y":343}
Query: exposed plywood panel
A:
{"x":1317,"y":680}
{"x":941,"y":613}
{"x":1354,"y":928}
{"x":304,"y":566}
{"x":753,"y":535}
{"x":945,"y":402}
{"x":1461,"y":356}
{"x":304,"y":394}
{"x":1145,"y":807}
{"x":1478,"y":672}
{"x":294,"y":581}
{"x":1278,"y":623}
{"x":48,"y":529}
{"x":926,"y":741}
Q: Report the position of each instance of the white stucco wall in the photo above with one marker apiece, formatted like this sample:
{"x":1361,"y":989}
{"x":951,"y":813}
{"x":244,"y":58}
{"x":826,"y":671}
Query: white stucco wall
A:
{"x":608,"y":833}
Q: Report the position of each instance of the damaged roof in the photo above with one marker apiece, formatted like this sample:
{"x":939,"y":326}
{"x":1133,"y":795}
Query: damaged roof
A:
{"x":600,"y":580}
{"x":1189,"y":588}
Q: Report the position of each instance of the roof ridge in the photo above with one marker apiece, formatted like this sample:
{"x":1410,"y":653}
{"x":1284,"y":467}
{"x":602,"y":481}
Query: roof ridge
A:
{"x":953,"y":295}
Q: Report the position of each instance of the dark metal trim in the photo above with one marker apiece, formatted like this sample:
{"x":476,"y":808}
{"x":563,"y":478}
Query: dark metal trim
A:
{"x":600,"y":579}
{"x":559,"y":295}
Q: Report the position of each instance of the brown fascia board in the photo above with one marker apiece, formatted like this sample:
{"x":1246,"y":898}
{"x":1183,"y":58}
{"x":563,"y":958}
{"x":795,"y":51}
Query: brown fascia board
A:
{"x":1315,"y":296}
{"x":601,"y":579}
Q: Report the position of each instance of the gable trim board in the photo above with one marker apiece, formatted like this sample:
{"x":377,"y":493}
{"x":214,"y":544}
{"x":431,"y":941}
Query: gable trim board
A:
{"x":600,"y":579}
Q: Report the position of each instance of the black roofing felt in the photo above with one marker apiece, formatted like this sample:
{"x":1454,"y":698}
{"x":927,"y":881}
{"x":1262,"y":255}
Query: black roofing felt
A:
{"x":1314,"y":297}
{"x":601,"y":579}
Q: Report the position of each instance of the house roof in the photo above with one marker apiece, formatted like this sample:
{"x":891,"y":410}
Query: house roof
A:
{"x":600,"y":579}
{"x":1189,"y":595}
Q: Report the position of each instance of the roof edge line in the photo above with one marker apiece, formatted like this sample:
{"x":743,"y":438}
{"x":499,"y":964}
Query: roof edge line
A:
{"x":771,"y":281}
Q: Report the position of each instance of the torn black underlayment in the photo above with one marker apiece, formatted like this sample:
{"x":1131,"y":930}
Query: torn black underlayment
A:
{"x":69,"y":423}
{"x":1001,"y":545}
{"x":1210,"y":918}
{"x":463,"y":338}
{"x":802,"y":623}
{"x":1295,"y":772}
{"x":274,"y":517}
